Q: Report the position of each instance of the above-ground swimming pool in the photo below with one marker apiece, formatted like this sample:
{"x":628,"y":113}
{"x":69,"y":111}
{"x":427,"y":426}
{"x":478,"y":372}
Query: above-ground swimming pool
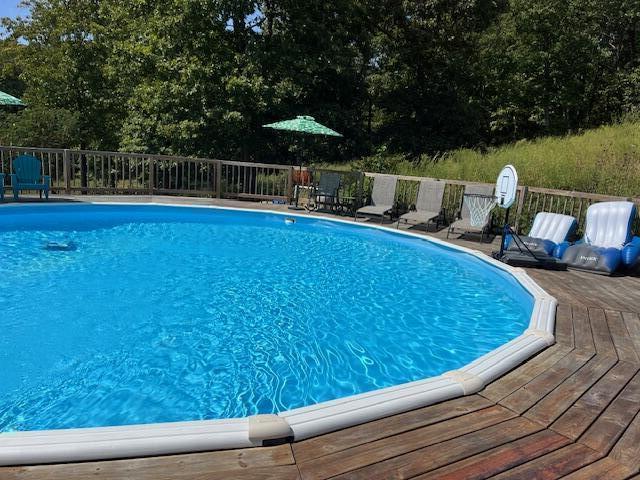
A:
{"x":116,"y":315}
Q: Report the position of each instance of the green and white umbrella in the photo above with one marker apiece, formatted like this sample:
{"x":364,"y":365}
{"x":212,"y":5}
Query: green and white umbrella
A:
{"x":10,"y":100}
{"x":303,"y":124}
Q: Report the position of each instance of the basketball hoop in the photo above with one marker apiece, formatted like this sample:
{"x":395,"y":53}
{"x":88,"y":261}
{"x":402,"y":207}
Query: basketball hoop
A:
{"x":506,"y":191}
{"x":480,"y":207}
{"x":506,"y":186}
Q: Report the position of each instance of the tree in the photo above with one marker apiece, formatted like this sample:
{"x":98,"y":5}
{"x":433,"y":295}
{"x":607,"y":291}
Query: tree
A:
{"x":170,"y":60}
{"x":314,"y":59}
{"x":9,"y":70}
{"x":424,"y":79}
{"x":40,"y":127}
{"x":61,"y":58}
{"x":200,"y":77}
{"x":554,"y":67}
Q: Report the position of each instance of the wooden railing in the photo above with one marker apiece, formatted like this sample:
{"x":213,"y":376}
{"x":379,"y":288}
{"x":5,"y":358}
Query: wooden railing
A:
{"x":84,"y":171}
{"x":529,"y":201}
{"x":94,"y":172}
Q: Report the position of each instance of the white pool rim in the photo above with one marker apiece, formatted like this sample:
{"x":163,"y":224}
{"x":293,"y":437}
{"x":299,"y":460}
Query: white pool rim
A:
{"x":101,"y":443}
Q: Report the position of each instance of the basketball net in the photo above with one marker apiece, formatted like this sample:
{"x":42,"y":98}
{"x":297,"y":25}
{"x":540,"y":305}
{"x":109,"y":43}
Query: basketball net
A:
{"x":479,"y":208}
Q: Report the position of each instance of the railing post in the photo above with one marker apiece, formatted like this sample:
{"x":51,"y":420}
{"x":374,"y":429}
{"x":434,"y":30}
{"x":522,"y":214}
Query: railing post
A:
{"x":219,"y":179}
{"x":66,"y":170}
{"x":290,"y":185}
{"x":523,"y":194}
{"x":152,"y":175}
{"x":359,"y":191}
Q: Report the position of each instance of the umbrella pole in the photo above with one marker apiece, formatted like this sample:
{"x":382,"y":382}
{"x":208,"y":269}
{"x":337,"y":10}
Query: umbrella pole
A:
{"x":296,"y":192}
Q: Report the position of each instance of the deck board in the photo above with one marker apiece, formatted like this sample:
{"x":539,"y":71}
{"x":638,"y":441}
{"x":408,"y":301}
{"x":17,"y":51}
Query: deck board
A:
{"x":603,"y":469}
{"x":399,"y":445}
{"x":564,"y":325}
{"x":519,"y":377}
{"x":582,"y":329}
{"x":583,"y":412}
{"x":608,"y":427}
{"x":553,"y":465}
{"x":502,"y":458}
{"x":260,"y":463}
{"x":421,"y":461}
{"x":571,"y":411}
{"x":622,"y":341}
{"x":352,"y":437}
{"x":582,"y":288}
{"x":528,"y":395}
{"x":632,"y":322}
{"x":561,"y":398}
{"x":600,"y":330}
{"x":627,"y":450}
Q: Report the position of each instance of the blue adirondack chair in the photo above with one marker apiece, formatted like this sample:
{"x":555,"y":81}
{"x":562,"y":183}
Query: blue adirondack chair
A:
{"x":28,"y":176}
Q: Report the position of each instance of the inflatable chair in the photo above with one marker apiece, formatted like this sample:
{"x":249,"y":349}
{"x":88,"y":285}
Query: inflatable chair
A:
{"x":549,"y":231}
{"x":608,"y":242}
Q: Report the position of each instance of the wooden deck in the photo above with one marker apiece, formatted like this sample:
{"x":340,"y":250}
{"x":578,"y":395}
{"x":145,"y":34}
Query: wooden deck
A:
{"x":570,"y":412}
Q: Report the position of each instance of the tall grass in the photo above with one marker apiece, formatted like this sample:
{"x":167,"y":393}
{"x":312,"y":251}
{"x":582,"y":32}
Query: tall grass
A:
{"x":605,"y":160}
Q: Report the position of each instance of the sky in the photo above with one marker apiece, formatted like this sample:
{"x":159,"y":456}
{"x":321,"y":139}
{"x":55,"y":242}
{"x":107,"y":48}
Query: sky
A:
{"x":9,"y":8}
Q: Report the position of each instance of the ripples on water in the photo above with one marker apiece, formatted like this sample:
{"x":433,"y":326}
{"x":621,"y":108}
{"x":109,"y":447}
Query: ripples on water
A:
{"x":168,"y":314}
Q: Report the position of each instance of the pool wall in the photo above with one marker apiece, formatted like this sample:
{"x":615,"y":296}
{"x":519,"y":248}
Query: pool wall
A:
{"x":54,"y":446}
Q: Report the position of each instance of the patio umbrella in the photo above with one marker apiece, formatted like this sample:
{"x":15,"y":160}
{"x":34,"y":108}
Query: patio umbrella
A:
{"x":303,"y":124}
{"x":6,"y":99}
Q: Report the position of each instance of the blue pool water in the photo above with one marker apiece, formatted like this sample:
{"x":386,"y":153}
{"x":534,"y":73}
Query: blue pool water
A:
{"x":165,"y":313}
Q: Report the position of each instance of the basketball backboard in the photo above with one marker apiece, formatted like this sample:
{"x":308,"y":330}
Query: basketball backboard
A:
{"x":507,"y":186}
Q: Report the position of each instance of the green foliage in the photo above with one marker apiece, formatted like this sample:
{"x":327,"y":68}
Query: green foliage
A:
{"x":425,"y":77}
{"x":41,"y":127}
{"x":9,"y":71}
{"x":380,"y":162}
{"x":61,"y":54}
{"x":401,"y":80}
{"x":604,"y":160}
{"x":554,"y":67}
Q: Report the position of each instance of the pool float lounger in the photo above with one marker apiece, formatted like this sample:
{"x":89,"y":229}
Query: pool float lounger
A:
{"x":608,"y":242}
{"x":532,"y":260}
{"x":549,"y":231}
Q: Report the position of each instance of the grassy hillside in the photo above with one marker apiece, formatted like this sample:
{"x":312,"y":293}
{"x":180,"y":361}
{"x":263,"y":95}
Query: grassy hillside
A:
{"x":604,"y":160}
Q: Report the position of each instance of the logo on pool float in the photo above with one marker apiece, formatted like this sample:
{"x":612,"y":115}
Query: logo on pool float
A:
{"x":584,"y":258}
